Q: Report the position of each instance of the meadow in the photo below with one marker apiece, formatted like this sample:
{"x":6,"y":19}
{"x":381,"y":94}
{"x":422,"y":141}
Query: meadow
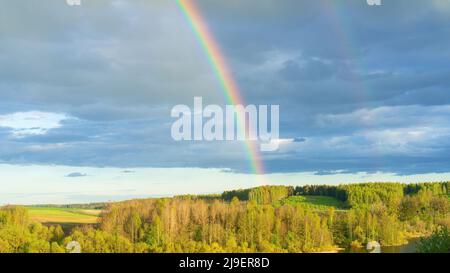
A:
{"x":314,"y":202}
{"x":59,"y":215}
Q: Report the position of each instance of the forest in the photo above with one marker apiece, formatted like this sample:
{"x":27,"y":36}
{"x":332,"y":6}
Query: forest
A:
{"x":311,"y":218}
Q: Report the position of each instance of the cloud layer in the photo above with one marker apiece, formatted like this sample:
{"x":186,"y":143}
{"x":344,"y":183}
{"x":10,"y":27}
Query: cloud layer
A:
{"x":360,"y":88}
{"x":24,"y":124}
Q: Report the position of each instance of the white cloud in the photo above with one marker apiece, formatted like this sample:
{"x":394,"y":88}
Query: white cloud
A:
{"x":24,"y":124}
{"x":283,"y":141}
{"x":45,"y":147}
{"x":442,"y":5}
{"x":414,"y":130}
{"x":388,"y":116}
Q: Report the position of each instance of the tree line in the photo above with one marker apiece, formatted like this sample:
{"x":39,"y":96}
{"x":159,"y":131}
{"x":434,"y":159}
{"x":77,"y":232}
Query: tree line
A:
{"x":250,"y":220}
{"x":260,"y":195}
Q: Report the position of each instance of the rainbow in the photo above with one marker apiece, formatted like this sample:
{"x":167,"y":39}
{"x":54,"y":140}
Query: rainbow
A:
{"x":221,"y":69}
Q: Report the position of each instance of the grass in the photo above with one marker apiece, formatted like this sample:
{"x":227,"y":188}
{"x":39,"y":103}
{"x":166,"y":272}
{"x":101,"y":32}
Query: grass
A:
{"x":314,"y":201}
{"x":63,"y":215}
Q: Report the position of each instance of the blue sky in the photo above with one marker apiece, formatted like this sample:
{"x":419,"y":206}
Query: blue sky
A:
{"x":86,"y":93}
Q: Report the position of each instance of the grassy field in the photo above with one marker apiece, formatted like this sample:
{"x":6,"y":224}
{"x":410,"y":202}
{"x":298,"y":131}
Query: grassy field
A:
{"x":63,"y":215}
{"x":315,"y":202}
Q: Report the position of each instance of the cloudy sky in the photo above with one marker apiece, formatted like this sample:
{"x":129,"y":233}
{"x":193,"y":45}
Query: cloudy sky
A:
{"x":86,"y":93}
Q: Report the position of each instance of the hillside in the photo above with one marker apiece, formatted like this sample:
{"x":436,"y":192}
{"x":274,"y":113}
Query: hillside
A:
{"x":262,"y":219}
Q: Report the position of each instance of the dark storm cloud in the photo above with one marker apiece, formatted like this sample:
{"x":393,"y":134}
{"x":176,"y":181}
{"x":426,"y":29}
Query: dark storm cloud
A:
{"x":367,"y":88}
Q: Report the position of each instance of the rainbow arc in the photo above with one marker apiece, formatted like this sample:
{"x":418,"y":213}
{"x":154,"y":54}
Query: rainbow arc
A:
{"x":223,"y":73}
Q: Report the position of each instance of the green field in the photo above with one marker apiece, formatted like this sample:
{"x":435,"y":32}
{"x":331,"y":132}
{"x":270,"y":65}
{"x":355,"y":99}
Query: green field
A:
{"x":63,"y":215}
{"x":313,"y":201}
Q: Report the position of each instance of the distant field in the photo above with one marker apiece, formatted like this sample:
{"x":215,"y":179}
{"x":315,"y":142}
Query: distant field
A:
{"x":63,"y":215}
{"x":313,"y":201}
